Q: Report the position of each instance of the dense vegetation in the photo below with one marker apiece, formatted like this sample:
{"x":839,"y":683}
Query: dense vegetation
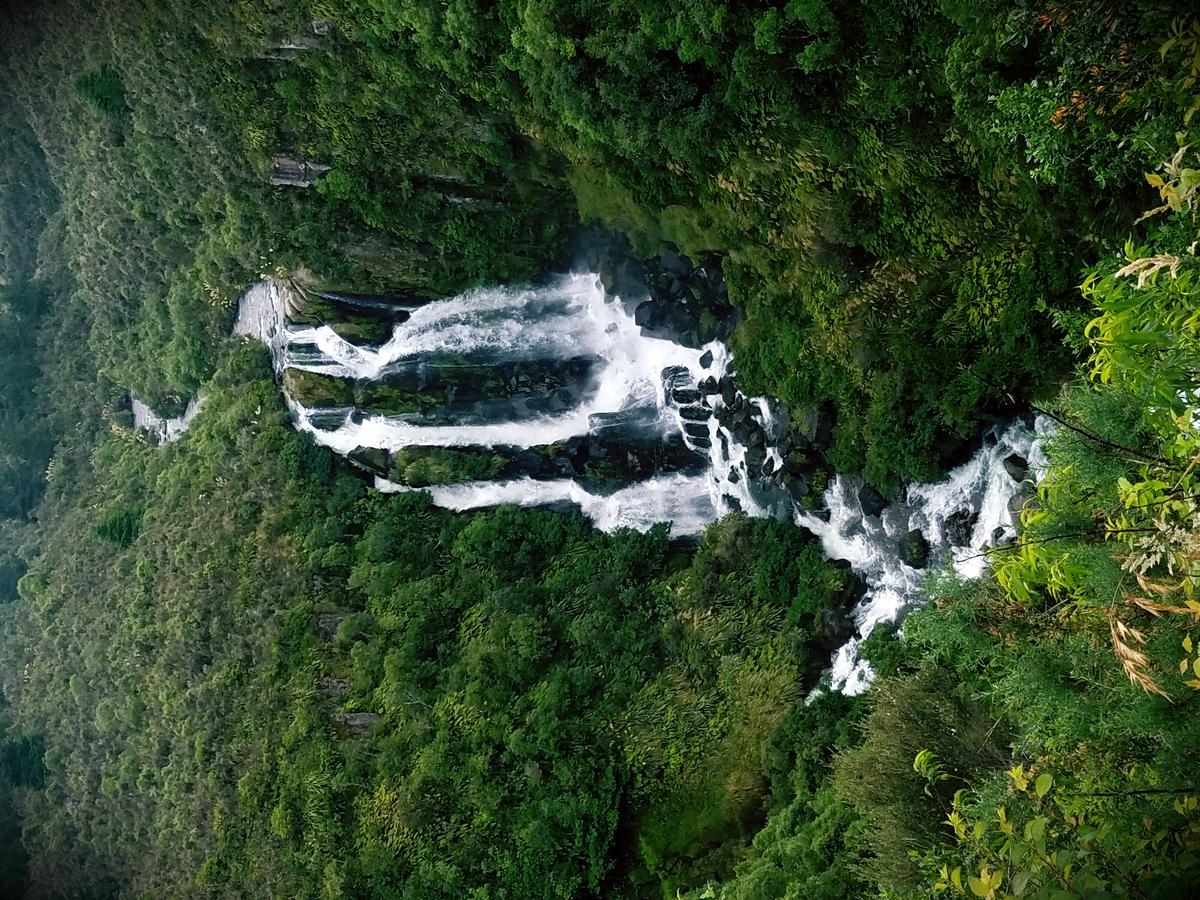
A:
{"x":230,"y":668}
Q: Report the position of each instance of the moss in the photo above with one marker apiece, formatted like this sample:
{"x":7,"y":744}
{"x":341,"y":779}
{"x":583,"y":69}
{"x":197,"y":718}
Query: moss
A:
{"x":311,"y":389}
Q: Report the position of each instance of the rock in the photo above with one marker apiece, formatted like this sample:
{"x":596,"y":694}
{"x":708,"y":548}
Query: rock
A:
{"x":797,"y":461}
{"x":357,"y":722}
{"x":372,"y":459}
{"x":1016,"y":466}
{"x":734,"y":477}
{"x":834,"y":628}
{"x":873,"y":503}
{"x":530,"y":463}
{"x":646,"y":314}
{"x":914,"y":549}
{"x":708,"y":386}
{"x":695,"y":413}
{"x":732,"y":502}
{"x":728,"y":391}
{"x":685,"y":395}
{"x":674,"y":263}
{"x":1022,"y":499}
{"x":796,"y":486}
{"x":706,"y":359}
{"x":959,"y":526}
{"x":769,"y":466}
{"x":755,"y":457}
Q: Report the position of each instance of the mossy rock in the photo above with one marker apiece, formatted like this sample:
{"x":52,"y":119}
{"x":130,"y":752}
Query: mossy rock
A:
{"x":314,"y":390}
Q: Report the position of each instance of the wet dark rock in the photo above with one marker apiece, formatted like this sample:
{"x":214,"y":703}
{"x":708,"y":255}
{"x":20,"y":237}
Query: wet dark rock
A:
{"x":728,"y":391}
{"x":873,"y":503}
{"x":769,"y":466}
{"x":1016,"y":466}
{"x":755,"y":457}
{"x":959,"y":525}
{"x":914,"y":549}
{"x":646,"y":314}
{"x":709,"y":386}
{"x":706,"y":359}
{"x":685,"y":395}
{"x":1022,"y":499}
{"x":797,"y":486}
{"x":372,"y":459}
{"x":695,"y":429}
{"x":695,"y":413}
{"x":834,"y":628}
{"x":734,"y":476}
{"x":674,"y":263}
{"x":797,"y":461}
{"x":531,"y":463}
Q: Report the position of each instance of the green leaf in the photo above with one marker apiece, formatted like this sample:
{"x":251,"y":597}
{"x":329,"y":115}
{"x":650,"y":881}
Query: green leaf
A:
{"x":1043,"y":784}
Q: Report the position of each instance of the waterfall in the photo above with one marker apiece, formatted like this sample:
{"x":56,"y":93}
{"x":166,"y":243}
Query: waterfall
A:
{"x":637,"y":388}
{"x":164,"y":429}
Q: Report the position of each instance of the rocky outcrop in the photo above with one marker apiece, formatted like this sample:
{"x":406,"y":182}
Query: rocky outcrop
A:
{"x":914,"y":550}
{"x":1016,"y":466}
{"x":959,"y":526}
{"x":873,"y":503}
{"x":291,"y":172}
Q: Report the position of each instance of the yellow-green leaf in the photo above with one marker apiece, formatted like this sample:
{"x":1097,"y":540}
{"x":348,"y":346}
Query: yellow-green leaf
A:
{"x":1043,"y":784}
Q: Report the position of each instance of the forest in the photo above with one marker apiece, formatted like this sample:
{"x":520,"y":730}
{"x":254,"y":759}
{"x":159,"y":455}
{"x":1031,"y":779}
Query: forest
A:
{"x":232,"y":667}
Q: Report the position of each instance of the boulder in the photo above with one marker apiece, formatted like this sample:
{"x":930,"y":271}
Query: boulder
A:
{"x":873,"y":503}
{"x":728,"y":391}
{"x":797,"y":486}
{"x":959,"y":525}
{"x":833,"y":628}
{"x":646,"y":315}
{"x":914,"y":549}
{"x":1022,"y":499}
{"x":1016,"y":466}
{"x":674,"y":263}
{"x":708,"y":386}
{"x":706,"y":359}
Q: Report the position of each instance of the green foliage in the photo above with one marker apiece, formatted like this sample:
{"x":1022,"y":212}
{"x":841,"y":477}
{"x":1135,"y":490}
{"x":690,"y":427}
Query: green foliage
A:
{"x":424,"y":466}
{"x":120,"y":527}
{"x":103,"y":90}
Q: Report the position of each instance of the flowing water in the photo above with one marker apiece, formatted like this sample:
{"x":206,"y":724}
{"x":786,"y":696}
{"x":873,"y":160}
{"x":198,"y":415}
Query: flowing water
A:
{"x":163,"y":428}
{"x":639,"y":388}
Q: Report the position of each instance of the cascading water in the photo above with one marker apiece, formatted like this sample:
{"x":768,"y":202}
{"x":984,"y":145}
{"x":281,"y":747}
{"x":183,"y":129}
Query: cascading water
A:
{"x":956,"y":519}
{"x":164,"y":429}
{"x":629,"y":386}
